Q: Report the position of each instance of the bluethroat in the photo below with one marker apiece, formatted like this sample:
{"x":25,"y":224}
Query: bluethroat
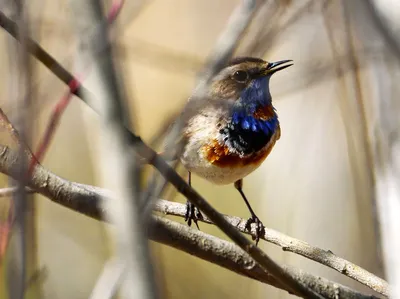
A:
{"x":235,"y":129}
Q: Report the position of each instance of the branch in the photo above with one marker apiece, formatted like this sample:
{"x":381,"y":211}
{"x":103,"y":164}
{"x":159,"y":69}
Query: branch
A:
{"x":85,"y":199}
{"x":324,"y":257}
{"x":231,"y":257}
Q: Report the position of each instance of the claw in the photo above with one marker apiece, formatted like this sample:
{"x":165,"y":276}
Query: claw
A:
{"x":260,"y":229}
{"x":192,"y":214}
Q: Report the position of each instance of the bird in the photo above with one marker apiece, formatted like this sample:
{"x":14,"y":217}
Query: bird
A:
{"x":234,"y":130}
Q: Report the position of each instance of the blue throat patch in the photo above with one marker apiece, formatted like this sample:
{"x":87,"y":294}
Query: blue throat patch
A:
{"x":253,"y":97}
{"x":245,"y":133}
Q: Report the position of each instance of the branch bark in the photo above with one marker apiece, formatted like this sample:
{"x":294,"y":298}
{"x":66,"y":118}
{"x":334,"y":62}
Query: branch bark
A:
{"x":324,"y":257}
{"x":231,"y":257}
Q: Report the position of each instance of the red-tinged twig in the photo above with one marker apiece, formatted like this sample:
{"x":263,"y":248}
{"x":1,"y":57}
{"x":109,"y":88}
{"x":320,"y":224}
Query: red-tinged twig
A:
{"x":53,"y":124}
{"x":62,"y":104}
{"x":5,"y":227}
{"x":5,"y":232}
{"x":114,"y":11}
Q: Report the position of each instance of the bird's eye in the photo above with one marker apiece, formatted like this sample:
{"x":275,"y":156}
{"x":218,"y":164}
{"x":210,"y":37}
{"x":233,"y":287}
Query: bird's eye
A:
{"x":240,"y":76}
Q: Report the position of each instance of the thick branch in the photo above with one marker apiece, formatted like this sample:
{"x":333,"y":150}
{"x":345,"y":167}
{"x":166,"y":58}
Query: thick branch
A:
{"x":85,"y":199}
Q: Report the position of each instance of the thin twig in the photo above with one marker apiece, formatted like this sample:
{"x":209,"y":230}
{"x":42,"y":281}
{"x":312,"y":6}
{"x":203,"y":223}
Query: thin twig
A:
{"x":5,"y":123}
{"x":85,"y":199}
{"x":107,"y":284}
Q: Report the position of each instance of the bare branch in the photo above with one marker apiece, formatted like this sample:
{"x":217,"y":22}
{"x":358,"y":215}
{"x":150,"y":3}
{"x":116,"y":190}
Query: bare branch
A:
{"x":324,"y":257}
{"x":85,"y":199}
{"x":231,"y":257}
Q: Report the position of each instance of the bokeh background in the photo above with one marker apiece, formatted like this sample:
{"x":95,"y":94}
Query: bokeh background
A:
{"x":317,"y":185}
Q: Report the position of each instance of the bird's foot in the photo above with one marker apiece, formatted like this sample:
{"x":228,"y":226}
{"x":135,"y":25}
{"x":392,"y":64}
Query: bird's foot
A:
{"x":192,"y":214}
{"x":260,"y":228}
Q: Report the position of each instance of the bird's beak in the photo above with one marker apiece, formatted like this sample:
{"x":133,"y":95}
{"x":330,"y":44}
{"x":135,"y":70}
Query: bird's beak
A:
{"x":272,"y":67}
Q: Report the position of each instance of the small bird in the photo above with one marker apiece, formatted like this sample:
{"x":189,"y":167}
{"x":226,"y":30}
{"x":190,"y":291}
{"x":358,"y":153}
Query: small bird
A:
{"x":235,"y":129}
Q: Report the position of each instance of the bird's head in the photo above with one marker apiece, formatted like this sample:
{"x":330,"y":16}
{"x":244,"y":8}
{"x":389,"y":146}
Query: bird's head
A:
{"x":245,"y":77}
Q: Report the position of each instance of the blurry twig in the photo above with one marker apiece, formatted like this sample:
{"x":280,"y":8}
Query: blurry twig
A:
{"x":44,"y":57}
{"x":86,"y":199}
{"x":62,"y":104}
{"x":352,"y":105}
{"x":5,"y":123}
{"x":117,"y":166}
{"x":268,"y":26}
{"x":11,"y":191}
{"x":106,"y":285}
{"x":384,"y":28}
{"x":324,"y":257}
{"x":21,"y":214}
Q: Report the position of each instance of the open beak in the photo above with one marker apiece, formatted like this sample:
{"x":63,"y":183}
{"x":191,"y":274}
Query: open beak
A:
{"x":273,"y":67}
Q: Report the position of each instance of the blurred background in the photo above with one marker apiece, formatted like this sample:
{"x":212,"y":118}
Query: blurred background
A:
{"x":318,"y":183}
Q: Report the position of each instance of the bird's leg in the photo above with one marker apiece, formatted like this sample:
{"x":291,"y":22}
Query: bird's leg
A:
{"x":260,"y":229}
{"x":192,"y":213}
